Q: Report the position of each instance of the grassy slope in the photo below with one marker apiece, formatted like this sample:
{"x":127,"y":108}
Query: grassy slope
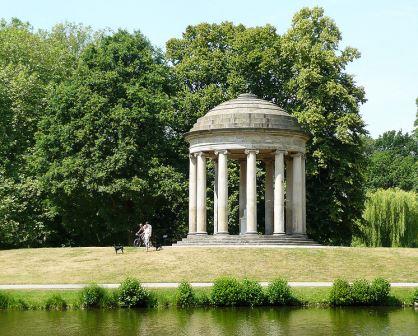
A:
{"x":100,"y":264}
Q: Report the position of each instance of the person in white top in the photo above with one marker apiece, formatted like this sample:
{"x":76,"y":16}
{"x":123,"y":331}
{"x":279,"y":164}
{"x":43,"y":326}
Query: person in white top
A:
{"x":147,"y":235}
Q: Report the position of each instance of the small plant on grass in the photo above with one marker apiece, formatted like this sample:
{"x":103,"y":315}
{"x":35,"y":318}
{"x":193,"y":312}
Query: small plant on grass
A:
{"x":5,"y":300}
{"x":132,"y":294}
{"x":252,"y":293}
{"x":361,"y":293}
{"x":340,"y":294}
{"x":185,"y":296}
{"x":380,"y":289}
{"x":92,"y":296}
{"x":226,"y":292}
{"x":415,"y":296}
{"x":278,"y":292}
{"x":55,"y":302}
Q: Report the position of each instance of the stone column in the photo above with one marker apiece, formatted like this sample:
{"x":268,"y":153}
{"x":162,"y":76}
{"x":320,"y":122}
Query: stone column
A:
{"x":215,"y":197}
{"x":303,"y":195}
{"x":201,"y":194}
{"x":269,"y":208}
{"x":222,"y":192}
{"x":242,"y":194}
{"x":289,"y":192}
{"x":297,"y":210}
{"x":251,"y":191}
{"x":279,"y":224}
{"x":192,"y":194}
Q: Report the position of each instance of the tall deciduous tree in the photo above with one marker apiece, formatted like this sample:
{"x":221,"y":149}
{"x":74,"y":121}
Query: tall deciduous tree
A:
{"x":104,"y":147}
{"x":30,"y":63}
{"x":304,"y":72}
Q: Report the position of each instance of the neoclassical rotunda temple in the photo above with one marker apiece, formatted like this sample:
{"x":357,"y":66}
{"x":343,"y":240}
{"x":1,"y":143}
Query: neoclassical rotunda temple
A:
{"x":248,"y":129}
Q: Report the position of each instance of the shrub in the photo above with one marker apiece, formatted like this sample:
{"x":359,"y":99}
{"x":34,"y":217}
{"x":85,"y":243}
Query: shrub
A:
{"x":92,"y":296}
{"x":415,"y":296}
{"x":226,"y":292}
{"x":185,"y":296}
{"x":5,"y":300}
{"x":340,"y":294}
{"x":279,"y":292}
{"x":132,"y":294}
{"x":361,"y":292}
{"x":55,"y":302}
{"x":380,"y":289}
{"x":252,"y":293}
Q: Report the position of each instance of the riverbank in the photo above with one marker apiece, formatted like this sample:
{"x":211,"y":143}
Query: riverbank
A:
{"x":166,"y":298}
{"x":101,"y":265}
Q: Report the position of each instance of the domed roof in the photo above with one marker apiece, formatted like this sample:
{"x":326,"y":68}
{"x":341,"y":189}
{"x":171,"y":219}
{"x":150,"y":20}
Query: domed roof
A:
{"x":246,"y":112}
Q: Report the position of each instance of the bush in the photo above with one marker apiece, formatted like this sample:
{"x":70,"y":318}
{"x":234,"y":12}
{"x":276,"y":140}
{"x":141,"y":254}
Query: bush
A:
{"x":415,"y":296}
{"x":380,"y":289}
{"x":252,"y":293}
{"x":185,"y":296}
{"x":279,"y":292}
{"x":361,"y":292}
{"x":92,"y":296}
{"x":5,"y":300}
{"x":132,"y":294}
{"x":55,"y":302}
{"x":340,"y":294}
{"x":226,"y":292}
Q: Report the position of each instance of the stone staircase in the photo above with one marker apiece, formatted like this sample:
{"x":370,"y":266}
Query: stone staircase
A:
{"x":243,"y":240}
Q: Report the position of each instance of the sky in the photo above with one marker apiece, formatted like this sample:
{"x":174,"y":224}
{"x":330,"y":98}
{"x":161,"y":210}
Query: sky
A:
{"x":384,"y":31}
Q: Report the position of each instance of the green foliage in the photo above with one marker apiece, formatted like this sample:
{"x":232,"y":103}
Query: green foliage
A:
{"x":380,"y":289}
{"x":415,"y":295}
{"x":361,"y":292}
{"x":279,"y":293}
{"x":104,"y":148}
{"x":393,"y":162}
{"x":92,"y":296}
{"x":56,"y":302}
{"x":132,"y":294}
{"x":252,"y":293}
{"x":340,"y":294}
{"x":226,"y":292}
{"x":304,"y":72}
{"x":185,"y":295}
{"x":390,"y":218}
{"x":5,"y":300}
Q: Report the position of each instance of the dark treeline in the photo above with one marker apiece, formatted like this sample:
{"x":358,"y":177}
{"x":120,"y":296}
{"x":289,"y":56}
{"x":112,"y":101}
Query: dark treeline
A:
{"x":92,"y":124}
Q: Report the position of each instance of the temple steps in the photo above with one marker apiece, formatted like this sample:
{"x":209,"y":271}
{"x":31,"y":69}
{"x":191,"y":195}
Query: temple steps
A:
{"x":256,"y":240}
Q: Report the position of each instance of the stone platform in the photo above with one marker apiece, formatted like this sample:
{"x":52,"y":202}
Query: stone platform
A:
{"x":246,"y":240}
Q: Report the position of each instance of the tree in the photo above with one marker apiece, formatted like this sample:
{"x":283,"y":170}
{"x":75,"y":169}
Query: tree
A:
{"x":393,"y":162}
{"x":302,"y":71}
{"x":390,"y":219}
{"x":30,"y":62}
{"x":103,"y":149}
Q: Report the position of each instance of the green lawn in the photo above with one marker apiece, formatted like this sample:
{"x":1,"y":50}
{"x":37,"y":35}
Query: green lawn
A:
{"x":100,"y":264}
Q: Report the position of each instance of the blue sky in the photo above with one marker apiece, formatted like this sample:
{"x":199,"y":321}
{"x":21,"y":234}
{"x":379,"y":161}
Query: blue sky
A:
{"x":385,"y":32}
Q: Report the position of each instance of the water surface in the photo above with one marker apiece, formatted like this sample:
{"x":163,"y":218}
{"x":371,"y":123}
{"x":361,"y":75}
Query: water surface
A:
{"x":228,"y":321}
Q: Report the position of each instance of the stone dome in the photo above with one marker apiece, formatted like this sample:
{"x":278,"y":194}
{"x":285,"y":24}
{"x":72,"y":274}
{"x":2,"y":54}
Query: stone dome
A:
{"x":246,"y":112}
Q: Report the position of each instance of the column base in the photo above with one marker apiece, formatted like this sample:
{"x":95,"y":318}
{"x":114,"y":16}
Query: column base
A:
{"x":251,"y":233}
{"x":279,"y":233}
{"x":201,"y":234}
{"x":222,"y":233}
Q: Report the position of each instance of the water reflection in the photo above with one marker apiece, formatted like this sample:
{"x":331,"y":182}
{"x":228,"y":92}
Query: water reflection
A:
{"x":227,"y":321}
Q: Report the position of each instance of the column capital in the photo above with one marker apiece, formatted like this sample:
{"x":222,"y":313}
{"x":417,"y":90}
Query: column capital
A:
{"x":221,"y":151}
{"x":248,"y":151}
{"x":281,"y":151}
{"x":192,"y":156}
{"x":298,"y":154}
{"x":200,"y":154}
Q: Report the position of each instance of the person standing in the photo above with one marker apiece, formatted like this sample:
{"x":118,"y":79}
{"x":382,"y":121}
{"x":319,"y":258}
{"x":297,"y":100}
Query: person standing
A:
{"x":147,"y":235}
